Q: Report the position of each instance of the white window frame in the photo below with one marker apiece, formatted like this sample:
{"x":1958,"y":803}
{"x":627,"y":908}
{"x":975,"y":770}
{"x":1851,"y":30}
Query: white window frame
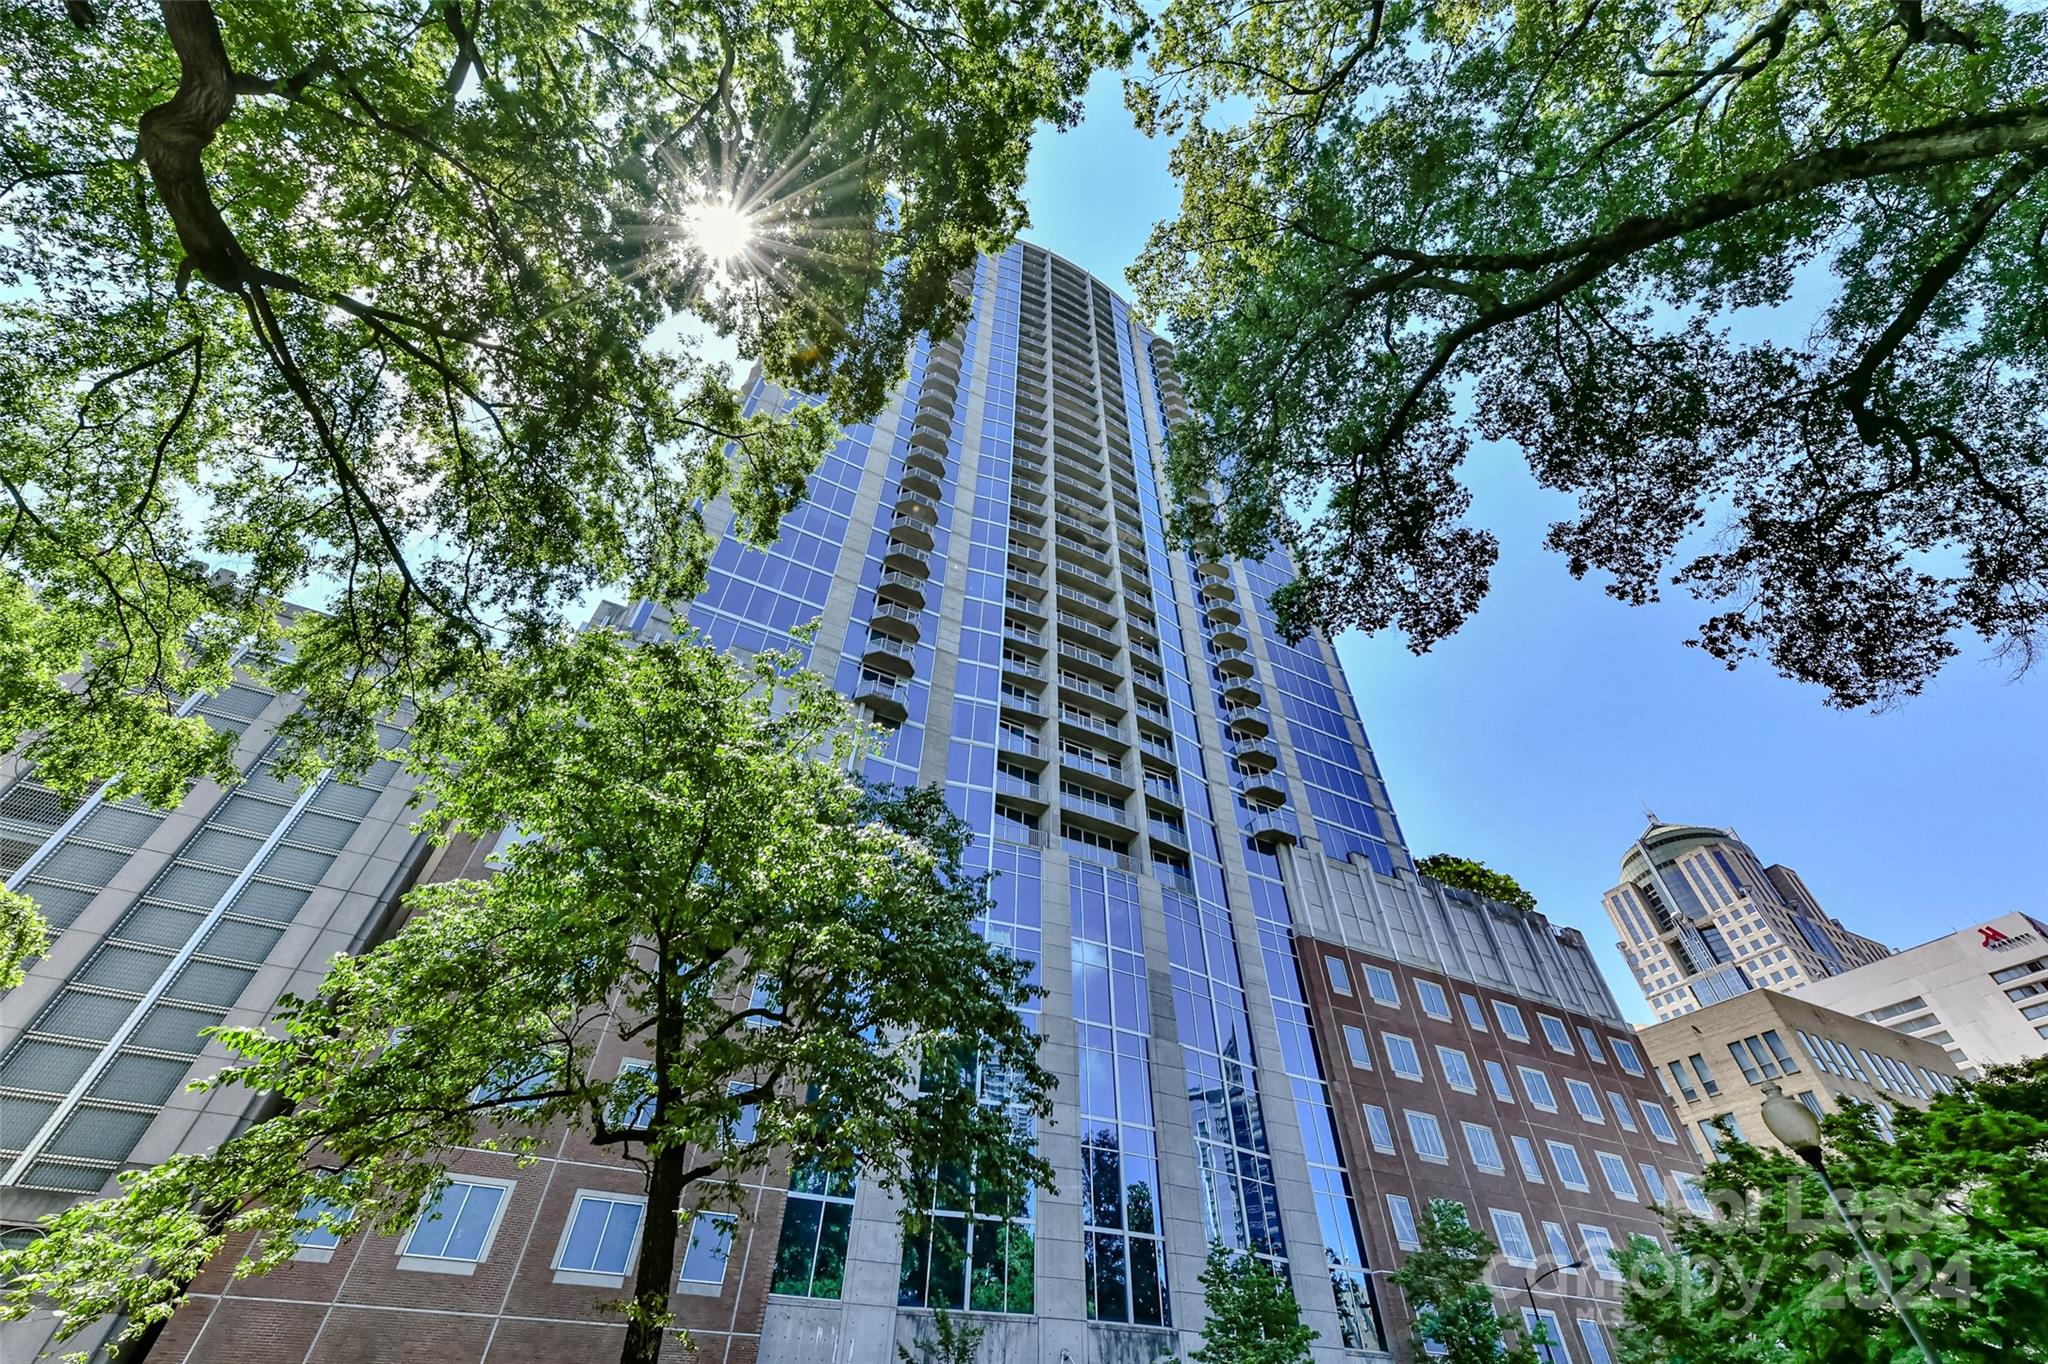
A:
{"x":598,"y":1278}
{"x":1585,"y":1100}
{"x":1526,"y":1157}
{"x":1338,"y":972}
{"x":1357,"y":1046}
{"x":1551,"y":1039}
{"x":1377,"y":976}
{"x":1558,"y":1244}
{"x":1653,"y":1180}
{"x":687,"y":1232}
{"x":1553,"y":1350}
{"x":1599,"y":1256}
{"x":1658,"y":1121}
{"x":1475,"y":1011}
{"x":1590,"y":1040}
{"x":316,"y":1252}
{"x":1388,"y":1039}
{"x":1595,"y":1343}
{"x":1418,"y":1123}
{"x":1623,"y":1118}
{"x":1422,"y":999}
{"x":1497,"y":1080}
{"x":1511,"y":1021}
{"x":1470,"y":1084}
{"x":1583,"y":1183}
{"x":1401,"y":1213}
{"x":1499,"y":1164}
{"x":1521,"y":1226}
{"x":1626,"y":1056}
{"x":1548,"y":1103}
{"x":441,"y":1264}
{"x":1626,"y":1189}
{"x":1381,"y":1133}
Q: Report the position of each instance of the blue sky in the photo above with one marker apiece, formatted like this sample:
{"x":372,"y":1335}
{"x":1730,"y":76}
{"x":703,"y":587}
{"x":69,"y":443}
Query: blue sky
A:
{"x":1533,"y":738}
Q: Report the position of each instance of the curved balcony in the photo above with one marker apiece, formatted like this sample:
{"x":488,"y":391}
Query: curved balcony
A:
{"x":921,"y":483}
{"x":907,"y":558}
{"x":1256,"y":755}
{"x":1243,"y":691}
{"x":1231,"y":637}
{"x":1217,"y":590}
{"x":1246,"y":722}
{"x":1233,"y":663}
{"x":1222,"y":613}
{"x":1262,"y":788}
{"x":900,"y":622}
{"x":914,"y":527}
{"x":1165,"y":833}
{"x":901,"y":589}
{"x":887,"y":655}
{"x":926,"y":458}
{"x":889,"y":701}
{"x":1273,"y":828}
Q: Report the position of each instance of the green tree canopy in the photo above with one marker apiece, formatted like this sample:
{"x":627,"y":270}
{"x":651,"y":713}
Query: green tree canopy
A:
{"x":696,"y":874}
{"x":1436,"y":222}
{"x":1476,"y":877}
{"x":1444,"y":1279}
{"x":1956,"y":1203}
{"x":1253,"y":1316}
{"x":391,"y":305}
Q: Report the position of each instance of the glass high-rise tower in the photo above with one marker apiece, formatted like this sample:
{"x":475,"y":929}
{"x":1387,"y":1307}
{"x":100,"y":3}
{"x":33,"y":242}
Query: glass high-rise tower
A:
{"x":1266,"y":1028}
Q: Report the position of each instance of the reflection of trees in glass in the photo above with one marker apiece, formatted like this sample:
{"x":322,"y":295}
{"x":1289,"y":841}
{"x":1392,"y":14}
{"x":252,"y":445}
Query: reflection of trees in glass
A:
{"x":810,"y":1258}
{"x":985,"y":1265}
{"x":1142,"y":1218}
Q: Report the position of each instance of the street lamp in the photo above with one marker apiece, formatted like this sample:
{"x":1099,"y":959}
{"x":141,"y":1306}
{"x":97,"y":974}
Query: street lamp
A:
{"x":1529,"y":1288}
{"x":1794,"y":1124}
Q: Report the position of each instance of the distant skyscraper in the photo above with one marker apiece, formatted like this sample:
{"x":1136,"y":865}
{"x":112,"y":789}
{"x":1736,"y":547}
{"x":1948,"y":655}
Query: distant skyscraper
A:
{"x":1701,"y":920}
{"x":1268,"y":1031}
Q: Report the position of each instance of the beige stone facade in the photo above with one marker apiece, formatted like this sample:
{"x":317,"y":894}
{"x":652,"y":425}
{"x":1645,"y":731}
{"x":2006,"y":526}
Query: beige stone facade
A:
{"x":1715,"y":1061}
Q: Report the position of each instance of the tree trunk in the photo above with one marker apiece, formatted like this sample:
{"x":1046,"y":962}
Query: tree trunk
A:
{"x":655,"y":1274}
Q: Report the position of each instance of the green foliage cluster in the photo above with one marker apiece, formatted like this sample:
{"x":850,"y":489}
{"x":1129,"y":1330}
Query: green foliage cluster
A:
{"x":1410,"y":225}
{"x":1253,"y":1315}
{"x":1476,"y":877}
{"x":1956,"y":1203}
{"x":390,"y":308}
{"x":697,"y":874}
{"x":1444,"y":1280}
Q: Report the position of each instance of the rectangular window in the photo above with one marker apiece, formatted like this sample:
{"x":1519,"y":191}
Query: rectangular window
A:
{"x":1779,"y":1052}
{"x":1510,"y":1020}
{"x":1594,"y":1341}
{"x":1560,"y":1245}
{"x":1564,"y":1157}
{"x":1659,"y":1124}
{"x":1536,"y":1085}
{"x":1378,"y":1129}
{"x":1600,"y":1251}
{"x":597,"y":1244}
{"x":1585,"y":1100}
{"x":317,"y":1243}
{"x":1356,"y":1046}
{"x":1402,"y":1215}
{"x":1547,"y":1336}
{"x":1684,"y":1083}
{"x":1475,"y":1015}
{"x":1457,"y":1069}
{"x":1426,"y":1135}
{"x":1402,"y":1056}
{"x":1614,"y":1170}
{"x":1653,"y":1181}
{"x":1619,"y":1103}
{"x":1689,"y":1190}
{"x":634,"y":1108}
{"x":1483,"y":1147}
{"x":1525,"y":1156}
{"x":710,"y":1246}
{"x":453,"y":1232}
{"x":1339,"y":973}
{"x":1513,"y":1235}
{"x":1739,"y":1049}
{"x":1625,"y":1054}
{"x":1433,"y":1000}
{"x":1699,"y":1068}
{"x":1591,"y":1042}
{"x":1556,"y":1034}
{"x":1497,"y":1077}
{"x":1379,"y":984}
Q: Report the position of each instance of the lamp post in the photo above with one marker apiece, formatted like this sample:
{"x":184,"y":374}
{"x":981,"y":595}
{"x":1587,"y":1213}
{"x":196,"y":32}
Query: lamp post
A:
{"x":1794,"y":1124}
{"x":1529,"y":1289}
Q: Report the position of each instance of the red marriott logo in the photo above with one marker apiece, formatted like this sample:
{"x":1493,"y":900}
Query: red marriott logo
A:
{"x":1996,"y":940}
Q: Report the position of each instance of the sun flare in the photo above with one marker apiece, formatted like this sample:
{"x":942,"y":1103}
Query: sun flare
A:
{"x":719,"y":229}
